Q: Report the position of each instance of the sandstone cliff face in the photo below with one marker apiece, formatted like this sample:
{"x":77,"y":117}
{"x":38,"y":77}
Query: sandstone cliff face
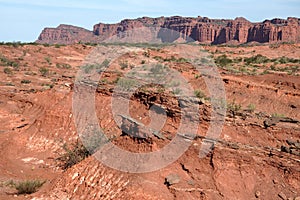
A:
{"x":275,"y":30}
{"x":65,"y":34}
{"x":201,"y":29}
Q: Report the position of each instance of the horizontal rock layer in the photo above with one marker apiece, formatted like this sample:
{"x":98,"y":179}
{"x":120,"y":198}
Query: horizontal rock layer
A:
{"x":171,"y":29}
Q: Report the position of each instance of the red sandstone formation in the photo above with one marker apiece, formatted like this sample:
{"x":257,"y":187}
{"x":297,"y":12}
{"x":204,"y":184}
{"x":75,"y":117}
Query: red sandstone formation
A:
{"x":65,"y":34}
{"x":201,"y":29}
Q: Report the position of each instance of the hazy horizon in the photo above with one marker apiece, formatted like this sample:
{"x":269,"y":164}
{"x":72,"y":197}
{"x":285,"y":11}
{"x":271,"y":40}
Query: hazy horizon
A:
{"x":25,"y":20}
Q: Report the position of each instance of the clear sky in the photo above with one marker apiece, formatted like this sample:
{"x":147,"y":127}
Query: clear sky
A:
{"x":23,"y":20}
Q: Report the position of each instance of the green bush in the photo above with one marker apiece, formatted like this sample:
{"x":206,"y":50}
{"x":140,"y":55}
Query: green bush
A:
{"x":159,"y":58}
{"x":257,"y":59}
{"x":48,"y":59}
{"x":26,"y":81}
{"x":204,"y":61}
{"x":172,"y":59}
{"x":182,"y":60}
{"x":48,"y":85}
{"x":273,"y":67}
{"x":234,"y":108}
{"x":176,"y":91}
{"x":58,"y":45}
{"x":223,"y":61}
{"x":200,"y":94}
{"x":294,"y":69}
{"x":28,"y":187}
{"x":73,"y":155}
{"x":284,"y":60}
{"x":17,"y":44}
{"x":197,"y":76}
{"x":91,"y":68}
{"x":7,"y":70}
{"x":6,"y":62}
{"x":251,"y":107}
{"x":158,"y":69}
{"x":265,"y":72}
{"x":123,"y":64}
{"x":126,"y":84}
{"x":44,"y":71}
{"x":277,"y":115}
{"x":9,"y":84}
{"x":63,"y":66}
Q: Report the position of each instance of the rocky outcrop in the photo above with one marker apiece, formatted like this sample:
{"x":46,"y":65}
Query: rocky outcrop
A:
{"x":275,"y":30}
{"x":65,"y":34}
{"x":170,"y":29}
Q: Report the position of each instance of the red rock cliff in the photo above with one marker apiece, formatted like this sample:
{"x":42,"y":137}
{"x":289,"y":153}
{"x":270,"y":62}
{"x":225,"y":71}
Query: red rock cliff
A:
{"x":201,"y":29}
{"x":65,"y":34}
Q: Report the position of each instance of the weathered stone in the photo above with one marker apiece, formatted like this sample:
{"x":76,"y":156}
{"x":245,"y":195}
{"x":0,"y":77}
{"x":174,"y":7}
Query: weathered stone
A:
{"x":172,"y":179}
{"x":257,"y":194}
{"x":282,"y":196}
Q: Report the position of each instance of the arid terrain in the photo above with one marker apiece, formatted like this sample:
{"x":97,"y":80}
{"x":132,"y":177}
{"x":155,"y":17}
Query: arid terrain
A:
{"x":257,"y":155}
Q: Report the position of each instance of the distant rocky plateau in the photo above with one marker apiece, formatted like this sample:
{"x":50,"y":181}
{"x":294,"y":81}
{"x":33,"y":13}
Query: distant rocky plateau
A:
{"x":180,"y":29}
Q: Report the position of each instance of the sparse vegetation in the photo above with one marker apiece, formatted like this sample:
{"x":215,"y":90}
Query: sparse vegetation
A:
{"x":265,"y":72}
{"x":152,"y":46}
{"x":63,"y":66}
{"x":48,"y":60}
{"x":59,"y":45}
{"x":171,"y":59}
{"x":9,"y":84}
{"x":18,"y":43}
{"x":200,"y":94}
{"x":25,"y":81}
{"x":78,"y":151}
{"x":157,"y":69}
{"x":197,"y":76}
{"x":182,"y":60}
{"x":26,"y":187}
{"x":6,"y":62}
{"x":257,"y":59}
{"x":177,"y":91}
{"x":126,"y":84}
{"x":277,"y":115}
{"x":48,"y":85}
{"x":73,"y":155}
{"x":7,"y":70}
{"x":233,"y":108}
{"x":258,"y":64}
{"x":44,"y":71}
{"x":251,"y":108}
{"x":123,"y":65}
{"x":223,"y":61}
{"x":97,"y":67}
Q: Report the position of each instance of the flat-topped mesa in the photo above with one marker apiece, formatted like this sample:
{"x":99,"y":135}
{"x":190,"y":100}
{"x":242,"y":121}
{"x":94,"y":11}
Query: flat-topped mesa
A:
{"x":65,"y":34}
{"x":201,"y":29}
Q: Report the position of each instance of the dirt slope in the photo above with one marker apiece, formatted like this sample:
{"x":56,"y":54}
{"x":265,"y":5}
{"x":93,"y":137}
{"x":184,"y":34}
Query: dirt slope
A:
{"x":256,"y":157}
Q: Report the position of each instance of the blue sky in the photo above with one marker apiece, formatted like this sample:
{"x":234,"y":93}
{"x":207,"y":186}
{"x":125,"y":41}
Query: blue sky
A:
{"x":23,"y":20}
